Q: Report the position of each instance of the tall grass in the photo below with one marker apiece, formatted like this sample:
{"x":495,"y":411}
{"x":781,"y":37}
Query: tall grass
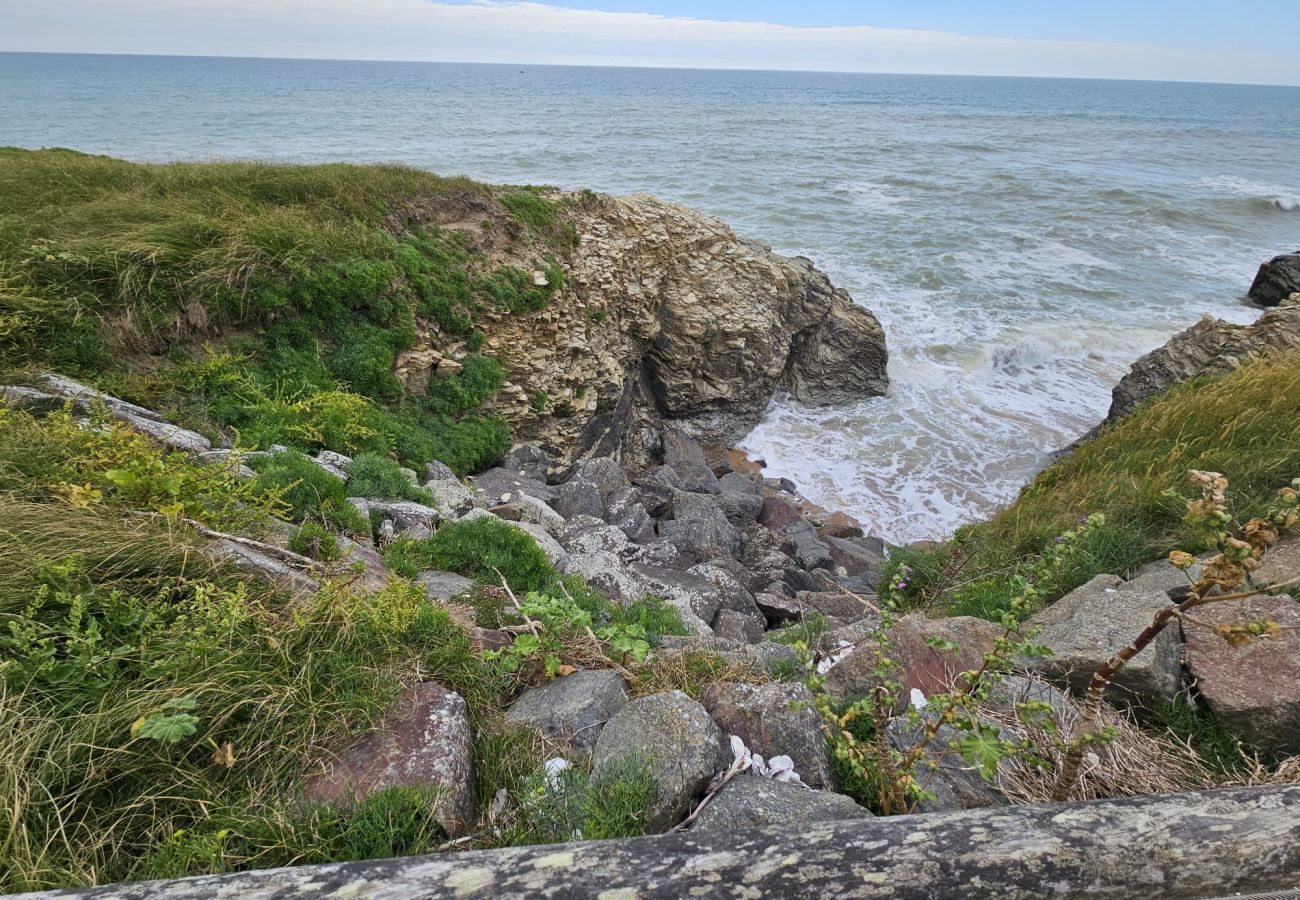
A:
{"x":1245,"y":425}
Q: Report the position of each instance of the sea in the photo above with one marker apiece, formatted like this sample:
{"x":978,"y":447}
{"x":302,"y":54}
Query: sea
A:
{"x":1022,"y":241}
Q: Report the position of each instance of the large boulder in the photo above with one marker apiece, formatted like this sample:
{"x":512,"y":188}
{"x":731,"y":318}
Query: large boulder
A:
{"x":528,"y":460}
{"x":1253,"y":689}
{"x":405,"y":514}
{"x":681,"y":744}
{"x":426,"y":741}
{"x":497,"y":486}
{"x":573,"y":710}
{"x":685,"y":456}
{"x":1276,"y":280}
{"x":1089,"y":625}
{"x":579,"y":498}
{"x":748,"y":801}
{"x":773,"y":720}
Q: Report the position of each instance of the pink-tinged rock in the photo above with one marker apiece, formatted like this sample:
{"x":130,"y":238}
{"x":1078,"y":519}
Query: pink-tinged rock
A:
{"x":928,"y":669}
{"x":425,"y":741}
{"x":1253,"y":689}
{"x":779,"y":514}
{"x":839,"y":525}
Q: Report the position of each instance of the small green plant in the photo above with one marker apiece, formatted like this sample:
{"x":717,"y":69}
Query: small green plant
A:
{"x":540,"y":401}
{"x":315,"y":541}
{"x":173,"y":722}
{"x":486,"y":549}
{"x":572,"y":805}
{"x":892,"y":780}
{"x":311,"y":493}
{"x":372,"y":475}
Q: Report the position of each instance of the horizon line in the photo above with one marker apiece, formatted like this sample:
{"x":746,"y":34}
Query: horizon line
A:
{"x":578,"y":65}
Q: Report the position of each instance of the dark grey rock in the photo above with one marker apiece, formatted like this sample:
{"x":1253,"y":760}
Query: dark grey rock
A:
{"x":528,"y":460}
{"x":747,"y":628}
{"x":605,"y":473}
{"x":404,"y":513}
{"x":579,"y":498}
{"x":953,"y":782}
{"x":625,"y":510}
{"x":851,"y":557}
{"x":735,"y":483}
{"x":572,"y":710}
{"x":1276,"y":280}
{"x":587,"y":534}
{"x":497,"y":486}
{"x":688,"y":594}
{"x":732,"y":594}
{"x":656,"y":487}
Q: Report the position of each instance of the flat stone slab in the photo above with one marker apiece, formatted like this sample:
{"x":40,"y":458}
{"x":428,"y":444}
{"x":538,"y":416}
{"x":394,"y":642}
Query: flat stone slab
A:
{"x":1252,"y":689}
{"x":444,"y":586}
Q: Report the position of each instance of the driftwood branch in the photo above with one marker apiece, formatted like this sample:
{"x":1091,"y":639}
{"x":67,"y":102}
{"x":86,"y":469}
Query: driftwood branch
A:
{"x":1200,"y":845}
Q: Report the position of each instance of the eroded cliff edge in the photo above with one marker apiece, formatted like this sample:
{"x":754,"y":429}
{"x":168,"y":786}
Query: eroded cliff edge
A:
{"x":664,"y":315}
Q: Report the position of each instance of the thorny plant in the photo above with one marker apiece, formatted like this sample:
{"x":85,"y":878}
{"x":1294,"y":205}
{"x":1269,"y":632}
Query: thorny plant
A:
{"x":896,"y":778}
{"x":1225,"y":577}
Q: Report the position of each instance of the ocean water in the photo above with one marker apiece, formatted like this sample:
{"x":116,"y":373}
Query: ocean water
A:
{"x":1022,"y":240}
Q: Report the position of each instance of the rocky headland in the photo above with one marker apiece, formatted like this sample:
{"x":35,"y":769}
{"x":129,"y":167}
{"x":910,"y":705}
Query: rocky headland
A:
{"x":324,"y":591}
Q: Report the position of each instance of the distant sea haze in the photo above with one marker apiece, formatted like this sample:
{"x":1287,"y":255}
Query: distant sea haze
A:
{"x":1022,"y":240}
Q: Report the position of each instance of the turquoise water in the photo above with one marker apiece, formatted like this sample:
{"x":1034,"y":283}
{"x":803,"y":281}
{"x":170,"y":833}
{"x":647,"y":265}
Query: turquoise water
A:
{"x":1023,"y":240}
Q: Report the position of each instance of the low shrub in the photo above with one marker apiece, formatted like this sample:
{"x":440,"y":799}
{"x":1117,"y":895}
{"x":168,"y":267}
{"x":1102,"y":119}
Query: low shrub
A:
{"x":372,"y":475}
{"x":311,"y":493}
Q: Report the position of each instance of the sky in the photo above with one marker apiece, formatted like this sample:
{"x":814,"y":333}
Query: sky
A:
{"x":1244,"y":41}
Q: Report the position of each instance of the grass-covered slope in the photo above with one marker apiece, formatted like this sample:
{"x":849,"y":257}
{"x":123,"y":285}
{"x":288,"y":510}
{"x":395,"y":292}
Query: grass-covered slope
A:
{"x":1245,"y":425}
{"x":271,"y":301}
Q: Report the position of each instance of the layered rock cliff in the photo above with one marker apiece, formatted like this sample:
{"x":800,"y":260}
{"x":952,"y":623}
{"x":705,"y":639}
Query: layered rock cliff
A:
{"x":666,"y":316}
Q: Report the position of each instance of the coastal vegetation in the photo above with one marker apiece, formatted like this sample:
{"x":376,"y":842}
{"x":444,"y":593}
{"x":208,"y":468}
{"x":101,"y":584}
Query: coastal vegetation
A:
{"x":272,"y":300}
{"x":1245,"y":424}
{"x":192,"y":635}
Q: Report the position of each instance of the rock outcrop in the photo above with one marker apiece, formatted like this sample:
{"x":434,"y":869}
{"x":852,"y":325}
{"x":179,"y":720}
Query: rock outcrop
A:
{"x":665,"y":315}
{"x":1277,"y":279}
{"x":1210,"y":347}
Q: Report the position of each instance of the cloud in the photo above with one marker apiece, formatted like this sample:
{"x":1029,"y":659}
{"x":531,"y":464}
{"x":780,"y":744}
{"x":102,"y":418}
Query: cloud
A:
{"x":532,"y":32}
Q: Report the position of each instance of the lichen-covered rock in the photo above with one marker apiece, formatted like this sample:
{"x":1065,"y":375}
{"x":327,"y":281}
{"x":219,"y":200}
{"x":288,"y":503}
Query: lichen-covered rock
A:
{"x":1090,"y":624}
{"x":1252,"y":689}
{"x":625,"y":511}
{"x":676,"y":737}
{"x":1276,"y":280}
{"x":272,"y":568}
{"x":587,"y":534}
{"x":444,"y":586}
{"x":696,"y":600}
{"x":524,"y":508}
{"x":404,"y":513}
{"x":451,"y":497}
{"x":773,"y":720}
{"x":572,"y":710}
{"x":607,"y":573}
{"x":748,"y":801}
{"x":426,"y":741}
{"x":579,"y":498}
